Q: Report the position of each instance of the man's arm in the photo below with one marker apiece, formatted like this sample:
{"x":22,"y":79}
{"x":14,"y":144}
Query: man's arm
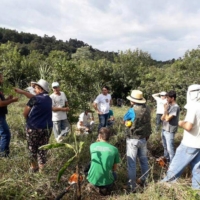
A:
{"x":64,"y":109}
{"x":114,"y":167}
{"x":155,"y":96}
{"x":165,"y":115}
{"x":8,"y":101}
{"x":186,"y":125}
{"x":26,"y":111}
{"x":96,"y":108}
{"x":25,"y":93}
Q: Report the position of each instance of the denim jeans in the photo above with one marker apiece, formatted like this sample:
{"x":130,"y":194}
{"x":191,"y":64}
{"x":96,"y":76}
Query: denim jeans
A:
{"x":136,"y":148}
{"x":61,"y":127}
{"x":168,"y":144}
{"x":4,"y":137}
{"x":103,"y":120}
{"x":184,"y":156}
{"x":158,"y":121}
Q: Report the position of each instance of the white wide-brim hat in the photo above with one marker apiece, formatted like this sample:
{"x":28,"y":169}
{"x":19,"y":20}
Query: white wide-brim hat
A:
{"x":43,"y":84}
{"x":136,"y":96}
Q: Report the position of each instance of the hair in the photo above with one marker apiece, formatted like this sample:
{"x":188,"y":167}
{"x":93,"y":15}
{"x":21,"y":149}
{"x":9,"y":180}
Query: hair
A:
{"x":105,"y":133}
{"x":105,"y":86}
{"x":171,"y":94}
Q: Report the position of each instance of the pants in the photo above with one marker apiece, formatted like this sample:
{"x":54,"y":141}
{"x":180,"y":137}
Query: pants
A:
{"x":35,"y":139}
{"x":136,"y":148}
{"x":4,"y":137}
{"x":158,"y":121}
{"x":168,"y":144}
{"x":61,"y":127}
{"x":184,"y":156}
{"x":103,"y":120}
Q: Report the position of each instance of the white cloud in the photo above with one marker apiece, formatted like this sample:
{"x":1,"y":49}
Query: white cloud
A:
{"x":166,"y":29}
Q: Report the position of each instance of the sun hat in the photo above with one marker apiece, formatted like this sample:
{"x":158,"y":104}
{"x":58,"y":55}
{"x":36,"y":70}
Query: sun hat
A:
{"x":136,"y":96}
{"x":55,"y":84}
{"x":163,"y":93}
{"x":43,"y":84}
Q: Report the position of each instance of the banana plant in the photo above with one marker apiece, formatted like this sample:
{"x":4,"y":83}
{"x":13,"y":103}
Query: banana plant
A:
{"x":77,"y":148}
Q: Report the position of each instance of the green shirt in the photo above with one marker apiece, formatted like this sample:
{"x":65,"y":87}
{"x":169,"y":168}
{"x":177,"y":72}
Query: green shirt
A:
{"x":103,"y":157}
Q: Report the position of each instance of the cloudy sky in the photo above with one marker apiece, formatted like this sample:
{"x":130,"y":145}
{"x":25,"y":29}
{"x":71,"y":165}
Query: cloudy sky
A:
{"x":163,"y":28}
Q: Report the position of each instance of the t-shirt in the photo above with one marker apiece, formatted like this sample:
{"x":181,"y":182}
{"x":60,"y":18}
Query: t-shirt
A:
{"x":3,"y":110}
{"x":103,"y":157}
{"x":59,"y":101}
{"x":192,"y":138}
{"x":40,"y":115}
{"x":172,"y":125}
{"x":103,"y":103}
{"x":110,"y":114}
{"x":84,"y":118}
{"x":130,"y":115}
{"x":160,"y":105}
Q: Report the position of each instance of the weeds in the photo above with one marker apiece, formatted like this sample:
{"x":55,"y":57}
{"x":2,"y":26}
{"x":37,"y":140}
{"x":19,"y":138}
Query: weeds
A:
{"x":17,"y":184}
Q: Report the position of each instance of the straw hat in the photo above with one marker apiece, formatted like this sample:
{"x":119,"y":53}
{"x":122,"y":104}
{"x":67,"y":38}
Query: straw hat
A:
{"x":136,"y":96}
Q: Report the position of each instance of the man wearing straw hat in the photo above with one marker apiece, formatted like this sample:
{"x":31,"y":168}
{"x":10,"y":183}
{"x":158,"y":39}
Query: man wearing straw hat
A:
{"x":136,"y":141}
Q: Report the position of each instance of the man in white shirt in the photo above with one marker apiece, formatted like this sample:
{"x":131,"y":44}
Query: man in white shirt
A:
{"x":86,"y":121}
{"x":161,"y":101}
{"x":188,"y":151}
{"x":60,"y":107}
{"x":102,"y":106}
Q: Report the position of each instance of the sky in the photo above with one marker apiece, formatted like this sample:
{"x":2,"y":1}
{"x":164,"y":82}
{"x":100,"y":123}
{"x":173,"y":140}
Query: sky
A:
{"x":165,"y":29}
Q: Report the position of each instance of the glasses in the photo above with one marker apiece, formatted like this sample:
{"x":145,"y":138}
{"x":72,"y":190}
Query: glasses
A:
{"x":55,"y":87}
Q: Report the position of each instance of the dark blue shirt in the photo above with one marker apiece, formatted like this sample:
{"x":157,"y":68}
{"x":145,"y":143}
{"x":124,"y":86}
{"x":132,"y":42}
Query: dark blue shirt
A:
{"x":40,"y":115}
{"x":3,"y":110}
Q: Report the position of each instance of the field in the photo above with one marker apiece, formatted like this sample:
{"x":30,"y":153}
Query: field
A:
{"x":16,"y":183}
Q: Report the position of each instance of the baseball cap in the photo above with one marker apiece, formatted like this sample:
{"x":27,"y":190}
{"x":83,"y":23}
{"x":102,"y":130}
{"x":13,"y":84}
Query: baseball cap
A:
{"x":55,"y":84}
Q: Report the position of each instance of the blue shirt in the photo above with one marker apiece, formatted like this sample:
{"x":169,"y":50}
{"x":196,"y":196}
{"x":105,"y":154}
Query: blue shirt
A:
{"x":40,"y":115}
{"x":130,"y":115}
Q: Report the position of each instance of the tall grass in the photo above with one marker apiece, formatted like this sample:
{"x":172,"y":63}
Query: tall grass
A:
{"x":18,"y":184}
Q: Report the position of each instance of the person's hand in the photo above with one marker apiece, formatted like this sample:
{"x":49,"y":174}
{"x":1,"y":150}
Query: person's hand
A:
{"x":10,"y":97}
{"x":19,"y":91}
{"x":15,"y":99}
{"x":180,"y":123}
{"x":66,"y":109}
{"x":100,"y":113}
{"x":166,"y":106}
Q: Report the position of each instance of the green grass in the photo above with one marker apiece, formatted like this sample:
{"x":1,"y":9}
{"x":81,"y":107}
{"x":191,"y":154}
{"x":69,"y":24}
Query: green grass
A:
{"x":18,"y":184}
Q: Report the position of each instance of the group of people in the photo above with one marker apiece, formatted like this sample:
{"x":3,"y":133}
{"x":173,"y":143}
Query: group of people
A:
{"x":137,"y":120}
{"x":44,"y":112}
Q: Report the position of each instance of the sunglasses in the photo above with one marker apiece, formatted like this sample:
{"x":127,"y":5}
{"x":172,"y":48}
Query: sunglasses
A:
{"x":55,"y":87}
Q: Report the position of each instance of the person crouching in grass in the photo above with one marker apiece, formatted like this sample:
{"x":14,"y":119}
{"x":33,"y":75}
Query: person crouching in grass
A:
{"x":104,"y":160}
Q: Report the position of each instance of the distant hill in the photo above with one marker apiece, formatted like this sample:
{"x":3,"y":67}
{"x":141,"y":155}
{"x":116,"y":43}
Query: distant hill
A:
{"x":27,"y":42}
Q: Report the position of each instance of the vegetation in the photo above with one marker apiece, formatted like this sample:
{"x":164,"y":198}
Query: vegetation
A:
{"x":82,"y":71}
{"x":16,"y":182}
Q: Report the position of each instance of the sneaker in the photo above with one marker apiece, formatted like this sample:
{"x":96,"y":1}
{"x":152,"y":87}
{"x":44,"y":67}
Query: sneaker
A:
{"x":59,"y":138}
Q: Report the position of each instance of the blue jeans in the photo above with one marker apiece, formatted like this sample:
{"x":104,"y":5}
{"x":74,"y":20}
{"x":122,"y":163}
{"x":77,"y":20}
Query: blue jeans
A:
{"x":158,"y":121}
{"x":136,"y":148}
{"x":184,"y":156}
{"x":168,"y":144}
{"x":4,"y":137}
{"x":103,"y":120}
{"x":61,"y":127}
